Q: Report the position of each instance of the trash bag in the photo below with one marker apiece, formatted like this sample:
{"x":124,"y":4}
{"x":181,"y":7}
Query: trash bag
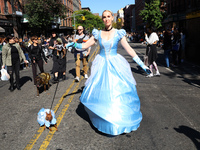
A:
{"x":4,"y":75}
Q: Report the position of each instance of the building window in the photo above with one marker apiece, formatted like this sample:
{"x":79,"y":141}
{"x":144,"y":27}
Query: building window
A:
{"x":6,"y":7}
{"x":13,"y":7}
{"x":65,"y":2}
{"x":63,"y":22}
{"x":18,"y":6}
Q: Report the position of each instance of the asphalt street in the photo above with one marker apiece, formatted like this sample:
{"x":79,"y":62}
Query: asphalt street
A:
{"x":169,"y":104}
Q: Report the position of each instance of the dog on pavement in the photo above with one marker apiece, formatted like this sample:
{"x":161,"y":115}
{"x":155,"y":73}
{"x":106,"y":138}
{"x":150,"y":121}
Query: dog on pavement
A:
{"x":46,"y":118}
{"x":42,"y":80}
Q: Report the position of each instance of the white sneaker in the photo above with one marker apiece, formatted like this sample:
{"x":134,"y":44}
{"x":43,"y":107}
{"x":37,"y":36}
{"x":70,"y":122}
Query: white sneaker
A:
{"x":86,"y":76}
{"x":157,"y":73}
{"x":150,"y":75}
{"x":77,"y":79}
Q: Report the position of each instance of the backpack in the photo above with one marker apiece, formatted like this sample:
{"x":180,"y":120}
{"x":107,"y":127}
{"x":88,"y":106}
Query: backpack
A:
{"x":31,"y":48}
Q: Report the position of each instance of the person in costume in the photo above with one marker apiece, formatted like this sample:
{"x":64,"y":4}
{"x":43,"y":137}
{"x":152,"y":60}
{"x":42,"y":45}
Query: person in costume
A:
{"x":110,"y":95}
{"x":152,"y":51}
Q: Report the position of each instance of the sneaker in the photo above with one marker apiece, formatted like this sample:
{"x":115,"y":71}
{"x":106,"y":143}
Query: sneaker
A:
{"x":157,"y":73}
{"x":86,"y":76}
{"x":150,"y":75}
{"x":77,"y":79}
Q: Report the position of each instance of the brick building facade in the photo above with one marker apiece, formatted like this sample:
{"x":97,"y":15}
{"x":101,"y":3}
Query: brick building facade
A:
{"x":129,"y":18}
{"x":66,"y":24}
{"x":12,"y":17}
{"x":139,"y":5}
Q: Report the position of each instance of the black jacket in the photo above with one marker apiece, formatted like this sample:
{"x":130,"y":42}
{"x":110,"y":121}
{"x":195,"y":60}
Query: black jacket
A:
{"x":38,"y":55}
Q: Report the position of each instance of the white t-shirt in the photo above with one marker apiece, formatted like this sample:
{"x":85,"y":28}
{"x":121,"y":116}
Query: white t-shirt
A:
{"x":152,"y":38}
{"x":85,"y":39}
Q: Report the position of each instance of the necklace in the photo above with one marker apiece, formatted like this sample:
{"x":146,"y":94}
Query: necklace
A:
{"x":108,"y":29}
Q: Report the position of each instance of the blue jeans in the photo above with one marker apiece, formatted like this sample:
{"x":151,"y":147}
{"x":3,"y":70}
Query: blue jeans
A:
{"x":167,"y":54}
{"x":27,"y":58}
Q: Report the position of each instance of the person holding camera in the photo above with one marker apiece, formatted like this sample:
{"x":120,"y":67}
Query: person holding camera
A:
{"x":81,"y":55}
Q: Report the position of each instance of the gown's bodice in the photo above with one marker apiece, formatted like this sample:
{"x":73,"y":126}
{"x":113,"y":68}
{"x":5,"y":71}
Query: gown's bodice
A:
{"x":108,"y":48}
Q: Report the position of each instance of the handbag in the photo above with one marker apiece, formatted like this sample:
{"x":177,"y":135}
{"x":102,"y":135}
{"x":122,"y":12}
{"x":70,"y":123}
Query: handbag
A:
{"x":176,"y":46}
{"x":4,"y":75}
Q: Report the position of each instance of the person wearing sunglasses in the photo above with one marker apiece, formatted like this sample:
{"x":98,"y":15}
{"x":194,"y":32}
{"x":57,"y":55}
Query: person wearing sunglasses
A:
{"x":36,"y":54}
{"x":81,"y":55}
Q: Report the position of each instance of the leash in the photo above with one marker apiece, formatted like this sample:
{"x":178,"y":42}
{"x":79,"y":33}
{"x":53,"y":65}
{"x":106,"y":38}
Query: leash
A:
{"x":54,"y":94}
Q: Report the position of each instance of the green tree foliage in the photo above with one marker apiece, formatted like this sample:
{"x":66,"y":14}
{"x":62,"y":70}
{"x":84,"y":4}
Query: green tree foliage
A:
{"x":91,"y":21}
{"x":117,"y":25}
{"x":41,"y":13}
{"x":151,"y":14}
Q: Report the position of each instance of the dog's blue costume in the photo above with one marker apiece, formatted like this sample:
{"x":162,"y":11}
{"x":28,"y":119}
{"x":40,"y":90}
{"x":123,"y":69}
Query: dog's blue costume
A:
{"x":41,"y":117}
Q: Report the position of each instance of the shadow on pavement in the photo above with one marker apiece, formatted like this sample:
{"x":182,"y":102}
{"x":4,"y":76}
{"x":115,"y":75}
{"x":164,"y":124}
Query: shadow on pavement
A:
{"x":73,"y":72}
{"x":139,"y":70}
{"x":189,"y":71}
{"x":83,"y":114}
{"x":24,"y":79}
{"x":190,"y":133}
{"x":78,"y":91}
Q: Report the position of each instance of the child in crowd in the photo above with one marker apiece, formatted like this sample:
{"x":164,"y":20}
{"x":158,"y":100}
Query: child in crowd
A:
{"x":60,"y":48}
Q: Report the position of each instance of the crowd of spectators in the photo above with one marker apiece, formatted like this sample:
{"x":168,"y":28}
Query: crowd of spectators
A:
{"x":171,"y":40}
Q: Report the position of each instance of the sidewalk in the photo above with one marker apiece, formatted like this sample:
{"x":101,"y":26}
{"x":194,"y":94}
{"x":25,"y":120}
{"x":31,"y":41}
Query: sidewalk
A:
{"x":187,"y":70}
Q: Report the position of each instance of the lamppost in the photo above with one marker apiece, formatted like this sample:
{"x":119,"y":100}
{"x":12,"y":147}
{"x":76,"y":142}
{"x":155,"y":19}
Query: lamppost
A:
{"x":74,"y":15}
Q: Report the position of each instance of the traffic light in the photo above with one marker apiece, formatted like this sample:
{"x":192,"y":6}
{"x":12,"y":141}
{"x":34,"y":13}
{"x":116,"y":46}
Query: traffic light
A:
{"x":83,"y":18}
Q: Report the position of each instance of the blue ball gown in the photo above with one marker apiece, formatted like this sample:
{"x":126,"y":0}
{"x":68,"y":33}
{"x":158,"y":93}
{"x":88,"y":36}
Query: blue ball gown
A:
{"x":110,"y":95}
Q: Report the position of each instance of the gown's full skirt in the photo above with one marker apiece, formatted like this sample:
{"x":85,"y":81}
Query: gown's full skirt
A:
{"x":110,"y":96}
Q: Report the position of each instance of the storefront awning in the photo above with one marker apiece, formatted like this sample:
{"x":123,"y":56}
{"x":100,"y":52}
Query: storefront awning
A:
{"x":2,"y":29}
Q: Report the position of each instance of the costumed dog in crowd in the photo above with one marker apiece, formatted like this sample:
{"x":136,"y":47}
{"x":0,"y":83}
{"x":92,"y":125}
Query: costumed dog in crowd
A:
{"x":46,"y":118}
{"x":42,"y":80}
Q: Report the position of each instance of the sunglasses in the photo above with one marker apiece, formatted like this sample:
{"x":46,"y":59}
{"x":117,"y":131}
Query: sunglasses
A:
{"x":80,"y":29}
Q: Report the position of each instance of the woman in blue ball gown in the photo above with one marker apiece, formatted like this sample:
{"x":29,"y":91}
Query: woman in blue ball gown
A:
{"x":110,"y":96}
